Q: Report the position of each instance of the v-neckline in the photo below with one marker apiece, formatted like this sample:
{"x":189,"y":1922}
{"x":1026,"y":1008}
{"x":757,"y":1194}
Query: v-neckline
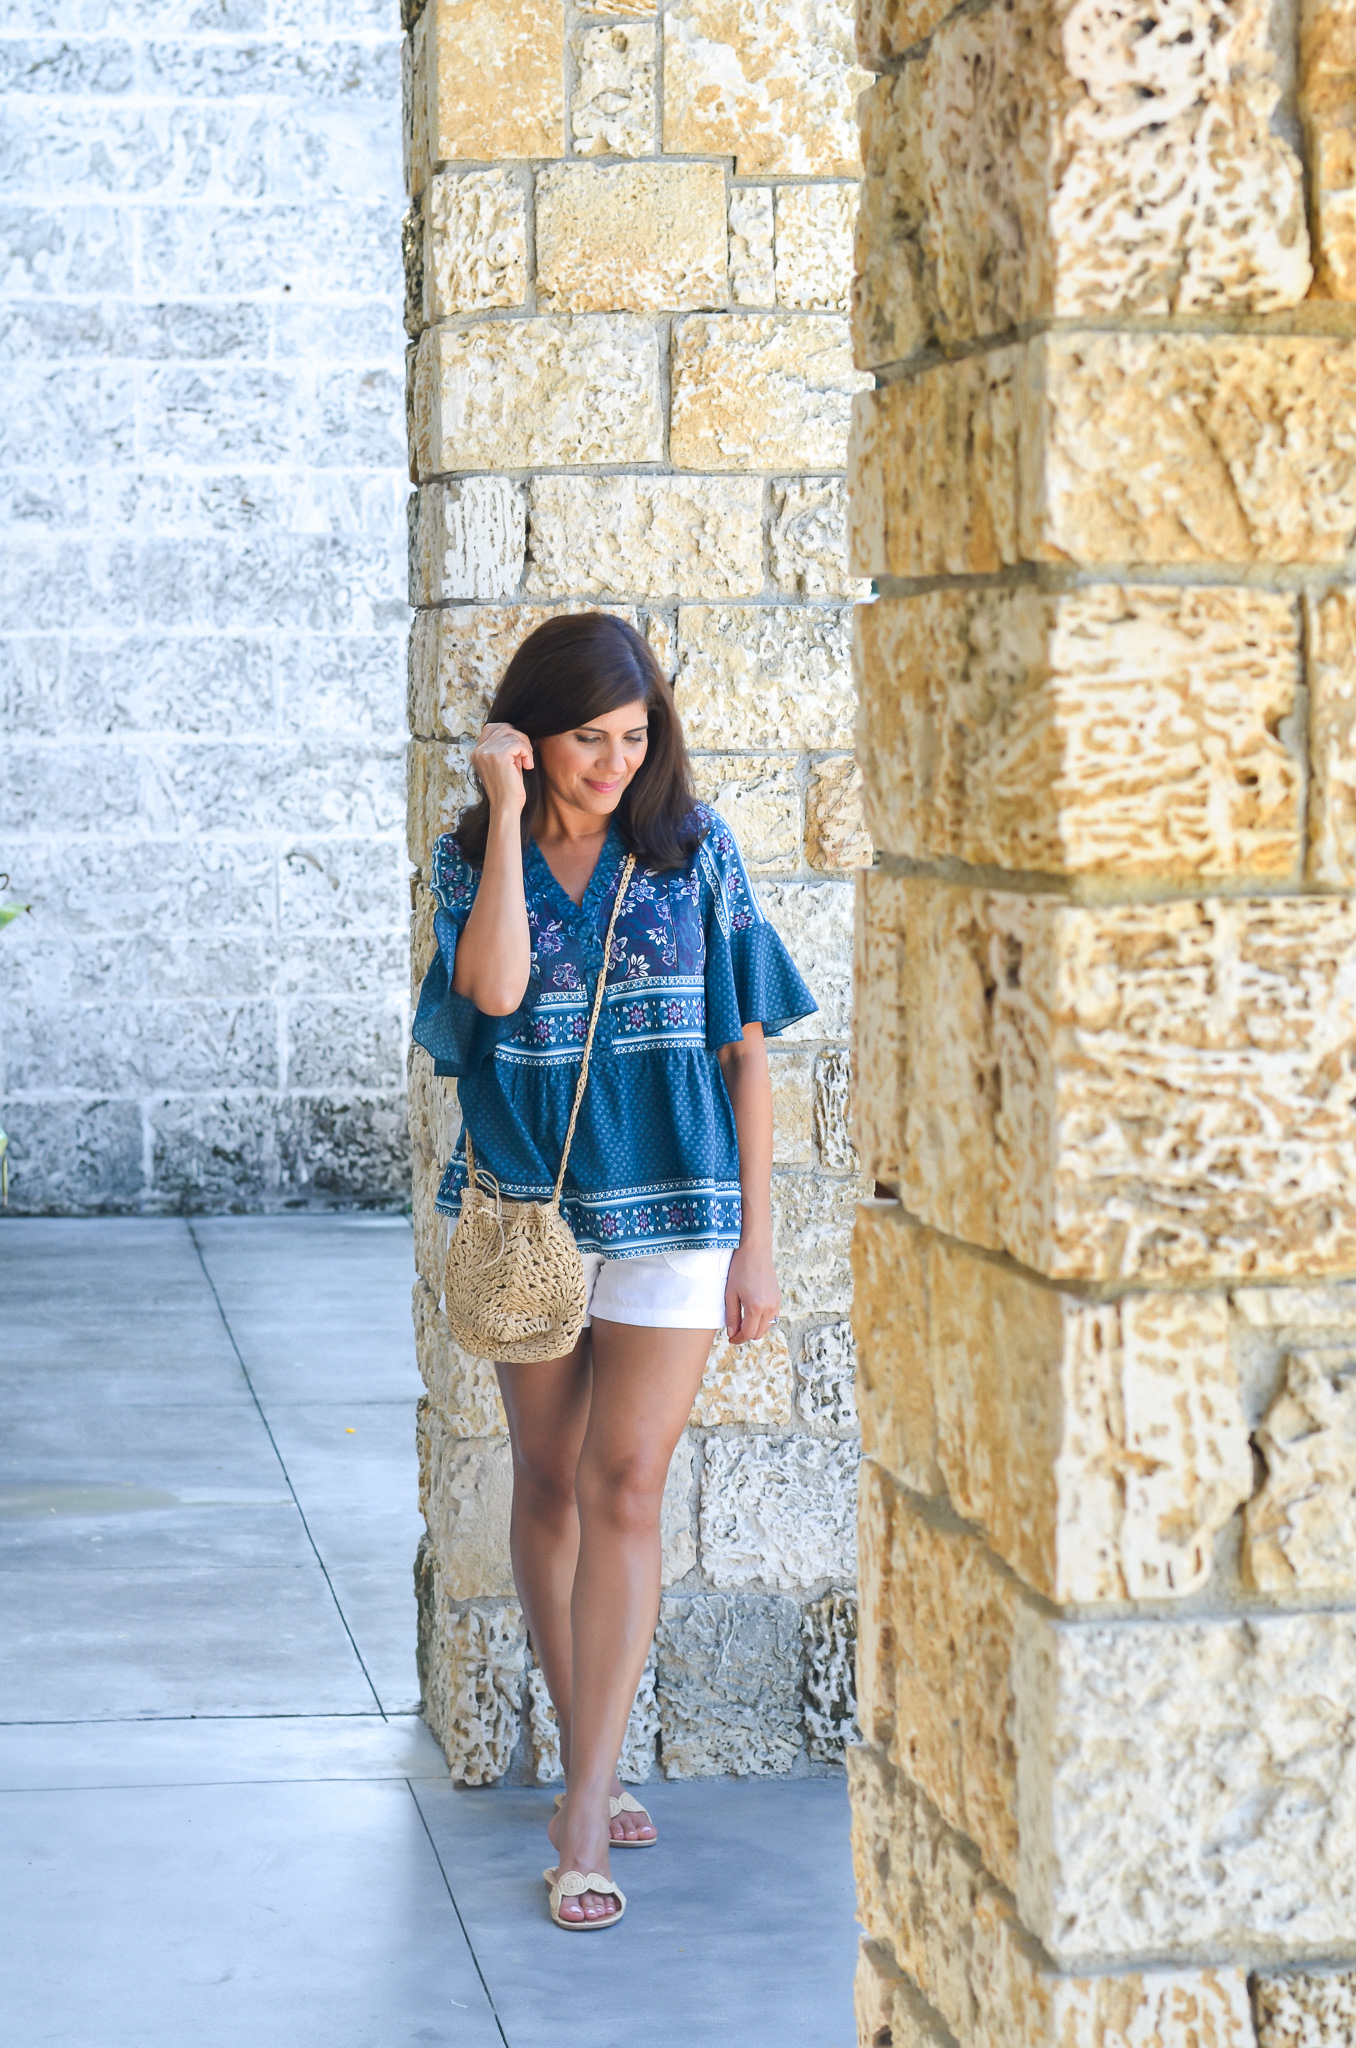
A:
{"x":604,"y":868}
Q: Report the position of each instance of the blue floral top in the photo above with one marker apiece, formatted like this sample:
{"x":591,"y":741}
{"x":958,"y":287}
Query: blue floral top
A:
{"x":655,"y":1160}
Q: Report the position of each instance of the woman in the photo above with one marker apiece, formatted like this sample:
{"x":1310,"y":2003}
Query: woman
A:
{"x":668,"y":1185}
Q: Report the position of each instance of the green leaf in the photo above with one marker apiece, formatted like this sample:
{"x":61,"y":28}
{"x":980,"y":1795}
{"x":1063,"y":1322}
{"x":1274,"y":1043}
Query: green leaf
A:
{"x":9,"y":911}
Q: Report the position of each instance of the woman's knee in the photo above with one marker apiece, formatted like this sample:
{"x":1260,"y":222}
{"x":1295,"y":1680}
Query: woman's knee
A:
{"x":544,"y":1479}
{"x":625,"y":1491}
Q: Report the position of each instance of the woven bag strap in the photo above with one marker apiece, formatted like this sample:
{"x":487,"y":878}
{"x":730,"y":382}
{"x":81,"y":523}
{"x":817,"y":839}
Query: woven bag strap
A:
{"x":628,"y":868}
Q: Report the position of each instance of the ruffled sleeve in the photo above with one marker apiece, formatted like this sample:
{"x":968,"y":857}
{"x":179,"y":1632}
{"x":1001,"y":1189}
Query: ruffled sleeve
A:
{"x":750,"y":976}
{"x":446,"y":1024}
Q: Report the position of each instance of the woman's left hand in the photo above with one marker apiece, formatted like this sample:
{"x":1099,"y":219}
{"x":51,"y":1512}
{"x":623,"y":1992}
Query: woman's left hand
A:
{"x":752,"y":1296}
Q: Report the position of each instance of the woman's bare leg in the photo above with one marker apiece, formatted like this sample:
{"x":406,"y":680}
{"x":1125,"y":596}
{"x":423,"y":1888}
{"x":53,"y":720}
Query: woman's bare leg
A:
{"x":548,"y":1411}
{"x":644,"y":1384}
{"x":547,"y":1408}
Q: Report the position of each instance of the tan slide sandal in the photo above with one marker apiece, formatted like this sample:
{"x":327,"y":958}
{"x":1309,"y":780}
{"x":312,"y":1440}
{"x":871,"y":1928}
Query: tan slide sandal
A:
{"x":572,"y":1884}
{"x":624,"y":1804}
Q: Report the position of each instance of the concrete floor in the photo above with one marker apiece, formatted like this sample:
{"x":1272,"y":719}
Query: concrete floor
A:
{"x":221,"y":1821}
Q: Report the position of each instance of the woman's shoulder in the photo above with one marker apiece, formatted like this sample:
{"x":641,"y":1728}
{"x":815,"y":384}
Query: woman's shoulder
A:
{"x":454,"y":879}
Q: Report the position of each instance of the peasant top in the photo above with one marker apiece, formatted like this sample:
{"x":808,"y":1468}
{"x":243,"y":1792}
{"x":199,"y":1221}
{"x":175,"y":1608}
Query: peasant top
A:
{"x":655,"y":1158}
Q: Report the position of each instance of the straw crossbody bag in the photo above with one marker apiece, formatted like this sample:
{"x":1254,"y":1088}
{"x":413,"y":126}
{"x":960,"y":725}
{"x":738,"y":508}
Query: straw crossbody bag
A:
{"x":514,"y":1282}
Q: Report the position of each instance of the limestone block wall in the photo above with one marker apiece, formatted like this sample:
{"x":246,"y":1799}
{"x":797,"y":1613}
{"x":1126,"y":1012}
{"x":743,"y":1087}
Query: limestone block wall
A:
{"x":202,"y":605}
{"x":1106,"y":1314}
{"x":628,"y":261}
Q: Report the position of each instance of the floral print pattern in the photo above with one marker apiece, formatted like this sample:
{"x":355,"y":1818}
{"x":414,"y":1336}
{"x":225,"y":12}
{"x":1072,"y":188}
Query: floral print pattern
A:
{"x":655,"y":1157}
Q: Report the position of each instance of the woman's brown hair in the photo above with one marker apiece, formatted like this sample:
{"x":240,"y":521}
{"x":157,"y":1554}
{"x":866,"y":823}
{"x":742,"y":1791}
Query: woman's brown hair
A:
{"x":566,"y":674}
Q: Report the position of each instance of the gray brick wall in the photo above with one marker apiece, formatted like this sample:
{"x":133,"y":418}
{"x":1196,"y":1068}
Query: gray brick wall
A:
{"x":202,"y":485}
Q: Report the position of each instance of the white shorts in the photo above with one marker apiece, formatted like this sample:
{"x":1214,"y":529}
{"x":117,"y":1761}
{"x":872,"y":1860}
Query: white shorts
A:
{"x":679,"y":1290}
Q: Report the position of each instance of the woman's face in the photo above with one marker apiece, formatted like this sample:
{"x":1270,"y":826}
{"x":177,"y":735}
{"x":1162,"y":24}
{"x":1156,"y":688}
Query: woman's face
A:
{"x":590,"y":766}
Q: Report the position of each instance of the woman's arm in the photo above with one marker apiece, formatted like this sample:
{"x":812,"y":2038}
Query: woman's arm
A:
{"x":752,"y":1297}
{"x":494,"y":952}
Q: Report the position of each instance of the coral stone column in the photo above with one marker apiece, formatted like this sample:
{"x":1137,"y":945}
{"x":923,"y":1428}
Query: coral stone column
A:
{"x":629,"y":258}
{"x":1106,"y":1319}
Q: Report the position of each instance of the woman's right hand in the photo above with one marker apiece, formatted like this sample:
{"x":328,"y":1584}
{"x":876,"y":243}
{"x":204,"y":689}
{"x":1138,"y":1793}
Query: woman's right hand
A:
{"x":500,"y":756}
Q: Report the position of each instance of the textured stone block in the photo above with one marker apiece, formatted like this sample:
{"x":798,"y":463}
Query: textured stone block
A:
{"x":876,"y":1645}
{"x":826,"y":1379}
{"x":939,"y":1916}
{"x":72,"y":1156}
{"x":435,"y":1116}
{"x":729,"y":1685}
{"x":814,"y":246}
{"x":815,"y":919}
{"x":829,"y":1633}
{"x":471,"y":1665}
{"x":1300,"y":1530}
{"x":422,"y":940}
{"x":493,"y":79}
{"x":1118,"y":728}
{"x":1062,"y":167}
{"x":464,"y":1390}
{"x":792,"y":1108}
{"x":886,"y":29}
{"x":1327,"y":69}
{"x":658,"y":628}
{"x":334,"y":885}
{"x":1099,"y":1446}
{"x":836,"y":837}
{"x":612,"y":107}
{"x":807,"y":540}
{"x":954,"y":1616}
{"x":465,"y":1490}
{"x":759,"y":797}
{"x":812,"y":1234}
{"x":933,"y":471}
{"x":212,"y":1152}
{"x":778,"y":1513}
{"x":772,"y":86}
{"x":457,"y":657}
{"x":467,"y":540}
{"x":833,"y":1111}
{"x":1329,"y":1309}
{"x":1083,"y":1086}
{"x":440,"y":788}
{"x":764,"y":676}
{"x":892,"y":290}
{"x":475,"y":244}
{"x":355,"y":1042}
{"x":651,"y":536}
{"x":890,"y":1325}
{"x":878,"y":1024}
{"x":752,"y":280}
{"x":678,"y":1543}
{"x":414,"y":136}
{"x":1306,"y":2009}
{"x":1110,"y":448}
{"x":1331,"y":639}
{"x":874,"y":1984}
{"x":1142,"y":1746}
{"x":747,"y":1383}
{"x":636,"y":238}
{"x":635,"y":1765}
{"x":87,"y":1048}
{"x":520,"y":394}
{"x":218,"y":251}
{"x":761,"y":392}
